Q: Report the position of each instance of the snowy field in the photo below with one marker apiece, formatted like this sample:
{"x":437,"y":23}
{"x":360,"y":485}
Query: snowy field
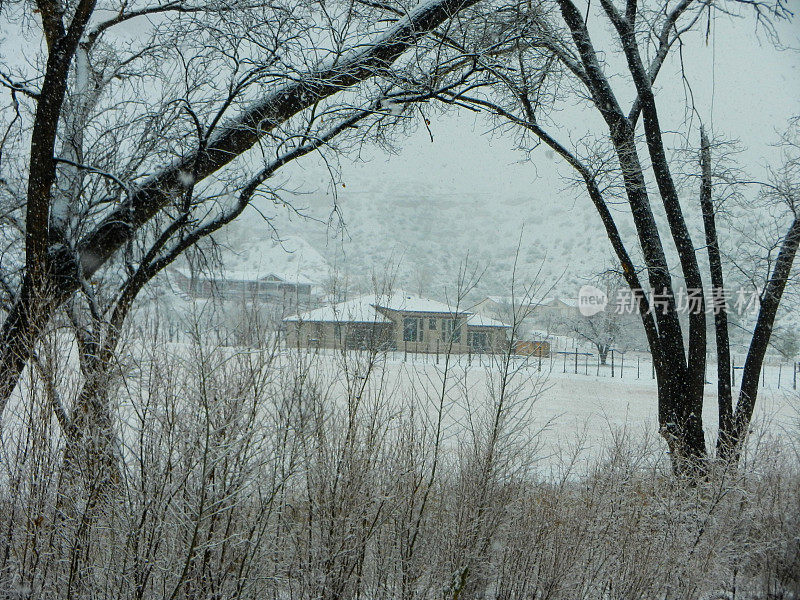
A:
{"x":565,"y":411}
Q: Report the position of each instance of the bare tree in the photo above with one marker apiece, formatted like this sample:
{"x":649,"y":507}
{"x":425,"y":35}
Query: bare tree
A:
{"x":120,"y":181}
{"x":610,"y":328}
{"x":528,"y":61}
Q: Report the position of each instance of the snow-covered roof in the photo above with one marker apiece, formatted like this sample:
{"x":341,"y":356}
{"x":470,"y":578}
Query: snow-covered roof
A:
{"x":571,"y":302}
{"x":363,"y":310}
{"x":255,"y":256}
{"x":533,"y":302}
{"x":255,"y":274}
{"x":477,"y":320}
{"x":400,"y":300}
{"x":357,"y":310}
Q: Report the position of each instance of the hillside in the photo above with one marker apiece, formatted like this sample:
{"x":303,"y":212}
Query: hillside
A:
{"x":423,"y":235}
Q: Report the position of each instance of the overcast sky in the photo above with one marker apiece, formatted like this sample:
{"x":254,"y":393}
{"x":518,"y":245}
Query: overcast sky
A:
{"x":742,"y":85}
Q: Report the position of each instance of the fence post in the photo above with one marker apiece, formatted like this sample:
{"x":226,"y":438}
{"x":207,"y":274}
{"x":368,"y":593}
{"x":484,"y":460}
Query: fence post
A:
{"x":638,"y":371}
{"x":612,"y":363}
{"x":598,"y":364}
{"x":586,"y":363}
{"x":540,"y":358}
{"x":622,"y":365}
{"x":565,"y":363}
{"x":794,"y":381}
{"x":576,"y":360}
{"x":405,"y":350}
{"x":437,"y":351}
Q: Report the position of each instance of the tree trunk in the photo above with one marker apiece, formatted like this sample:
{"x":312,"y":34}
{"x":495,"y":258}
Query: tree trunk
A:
{"x":680,"y":399}
{"x":602,"y":352}
{"x":680,"y":423}
{"x":680,"y":390}
{"x":724,"y":394}
{"x":30,"y":312}
{"x":93,"y":454}
{"x":770,"y":301}
{"x":696,"y":359}
{"x":20,"y":331}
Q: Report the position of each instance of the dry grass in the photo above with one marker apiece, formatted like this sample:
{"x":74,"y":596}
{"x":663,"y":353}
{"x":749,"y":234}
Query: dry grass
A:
{"x":244,"y":476}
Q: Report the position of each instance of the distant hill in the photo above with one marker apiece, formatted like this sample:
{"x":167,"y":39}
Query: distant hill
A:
{"x":424,"y":235}
{"x":420,"y":235}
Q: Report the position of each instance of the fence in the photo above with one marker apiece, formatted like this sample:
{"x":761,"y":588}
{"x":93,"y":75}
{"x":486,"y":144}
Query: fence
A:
{"x":619,"y":365}
{"x":775,"y":373}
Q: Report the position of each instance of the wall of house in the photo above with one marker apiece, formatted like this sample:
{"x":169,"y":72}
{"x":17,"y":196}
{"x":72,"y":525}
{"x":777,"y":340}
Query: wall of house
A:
{"x":392,"y":336}
{"x":295,"y":296}
{"x":315,"y":334}
{"x":435,"y":335}
{"x":495,"y":339}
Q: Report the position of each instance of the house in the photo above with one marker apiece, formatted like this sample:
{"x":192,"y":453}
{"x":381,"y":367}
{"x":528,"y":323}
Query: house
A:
{"x":249,"y":285}
{"x":396,"y":321}
{"x":485,"y":334}
{"x":283,"y":275}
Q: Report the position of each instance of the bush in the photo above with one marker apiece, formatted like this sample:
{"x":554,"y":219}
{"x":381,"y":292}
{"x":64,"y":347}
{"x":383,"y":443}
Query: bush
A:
{"x":270,"y":473}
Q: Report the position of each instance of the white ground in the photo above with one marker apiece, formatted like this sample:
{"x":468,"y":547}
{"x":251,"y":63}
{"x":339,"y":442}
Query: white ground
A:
{"x":566,"y":409}
{"x":578,"y":409}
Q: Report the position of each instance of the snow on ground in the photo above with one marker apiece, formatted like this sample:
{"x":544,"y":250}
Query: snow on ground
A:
{"x":568,"y":409}
{"x":572,"y":410}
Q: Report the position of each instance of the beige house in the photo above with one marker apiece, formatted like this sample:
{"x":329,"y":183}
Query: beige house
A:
{"x":397,"y":321}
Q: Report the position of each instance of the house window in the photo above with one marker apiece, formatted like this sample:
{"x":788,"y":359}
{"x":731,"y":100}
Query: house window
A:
{"x":479,"y":340}
{"x":410,"y":329}
{"x":432,"y":323}
{"x":451,"y":330}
